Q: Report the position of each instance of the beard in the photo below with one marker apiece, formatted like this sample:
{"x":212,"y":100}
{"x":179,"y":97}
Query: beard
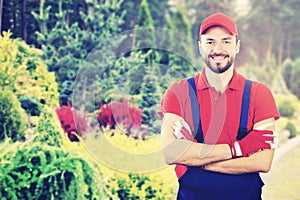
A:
{"x":216,"y":67}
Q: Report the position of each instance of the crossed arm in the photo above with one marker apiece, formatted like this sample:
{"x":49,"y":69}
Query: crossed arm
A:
{"x":216,"y":158}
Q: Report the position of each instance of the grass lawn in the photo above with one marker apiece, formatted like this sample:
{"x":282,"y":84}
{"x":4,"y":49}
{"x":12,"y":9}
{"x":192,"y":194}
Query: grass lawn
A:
{"x":283,"y":181}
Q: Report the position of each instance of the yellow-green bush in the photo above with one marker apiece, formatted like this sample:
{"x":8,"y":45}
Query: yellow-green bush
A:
{"x":23,"y":71}
{"x":286,"y":104}
{"x":129,"y":176}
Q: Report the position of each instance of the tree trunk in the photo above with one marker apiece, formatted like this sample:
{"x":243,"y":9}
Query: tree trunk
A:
{"x":83,"y":7}
{"x":1,"y":8}
{"x":289,"y":44}
{"x":270,"y":41}
{"x":24,"y":28}
{"x":14,"y":17}
{"x":280,"y":50}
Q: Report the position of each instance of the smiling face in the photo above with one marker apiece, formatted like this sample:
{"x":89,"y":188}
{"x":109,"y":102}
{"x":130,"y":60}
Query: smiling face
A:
{"x":218,"y":49}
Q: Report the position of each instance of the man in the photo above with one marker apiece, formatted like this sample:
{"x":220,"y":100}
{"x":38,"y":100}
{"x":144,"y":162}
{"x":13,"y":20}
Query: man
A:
{"x":214,"y":157}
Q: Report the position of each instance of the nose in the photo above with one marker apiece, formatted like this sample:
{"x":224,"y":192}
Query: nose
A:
{"x":218,"y":48}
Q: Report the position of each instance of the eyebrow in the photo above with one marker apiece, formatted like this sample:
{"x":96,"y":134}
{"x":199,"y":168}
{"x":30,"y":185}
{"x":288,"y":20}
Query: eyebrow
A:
{"x":226,"y":38}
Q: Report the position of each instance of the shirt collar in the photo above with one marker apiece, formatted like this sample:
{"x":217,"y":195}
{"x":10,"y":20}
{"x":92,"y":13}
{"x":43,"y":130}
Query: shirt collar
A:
{"x":234,"y":84}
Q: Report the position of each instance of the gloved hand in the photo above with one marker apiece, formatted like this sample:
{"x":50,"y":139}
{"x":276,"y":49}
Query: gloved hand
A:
{"x":183,"y":131}
{"x":256,"y":140}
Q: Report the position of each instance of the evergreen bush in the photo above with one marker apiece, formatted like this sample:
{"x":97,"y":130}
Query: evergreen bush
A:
{"x":292,"y":129}
{"x":49,"y":130}
{"x":12,"y":117}
{"x":36,"y":171}
{"x":24,"y":72}
{"x":295,"y":81}
{"x":285,"y":104}
{"x":287,"y":69}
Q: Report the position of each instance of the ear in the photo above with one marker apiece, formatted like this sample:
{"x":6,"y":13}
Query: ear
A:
{"x":238,"y":45}
{"x":199,"y":46}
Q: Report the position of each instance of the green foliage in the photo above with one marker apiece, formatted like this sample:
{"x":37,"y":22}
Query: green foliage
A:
{"x":74,"y":35}
{"x":143,"y":38}
{"x":287,"y":70}
{"x":12,"y":65}
{"x":295,"y":81}
{"x":292,"y":129}
{"x":135,"y":186}
{"x":36,"y":171}
{"x":159,"y":11}
{"x":286,"y":105}
{"x":150,"y":90}
{"x":12,"y":123}
{"x":264,"y":74}
{"x":156,"y":183}
{"x":182,"y":55}
{"x":23,"y":71}
{"x":30,"y":105}
{"x":135,"y":65}
{"x":48,"y":130}
{"x":150,"y":99}
{"x":270,"y":67}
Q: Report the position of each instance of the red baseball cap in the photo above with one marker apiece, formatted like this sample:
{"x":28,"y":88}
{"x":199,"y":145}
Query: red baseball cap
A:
{"x":219,"y":19}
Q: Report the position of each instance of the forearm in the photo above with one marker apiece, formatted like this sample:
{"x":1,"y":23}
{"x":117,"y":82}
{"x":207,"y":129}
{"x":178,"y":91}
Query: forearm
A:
{"x":190,"y":153}
{"x":186,"y":152}
{"x":257,"y":162}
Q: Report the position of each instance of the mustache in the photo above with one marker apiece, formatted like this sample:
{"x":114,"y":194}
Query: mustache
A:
{"x":219,"y":54}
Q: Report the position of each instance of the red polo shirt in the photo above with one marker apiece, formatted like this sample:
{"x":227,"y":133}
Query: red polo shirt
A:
{"x":220,"y":113}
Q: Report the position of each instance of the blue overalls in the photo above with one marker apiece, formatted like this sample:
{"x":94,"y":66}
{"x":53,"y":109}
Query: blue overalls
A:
{"x":199,"y":184}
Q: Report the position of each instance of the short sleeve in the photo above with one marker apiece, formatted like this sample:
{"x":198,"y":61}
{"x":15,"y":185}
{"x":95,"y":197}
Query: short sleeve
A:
{"x":264,"y":104}
{"x":174,"y":99}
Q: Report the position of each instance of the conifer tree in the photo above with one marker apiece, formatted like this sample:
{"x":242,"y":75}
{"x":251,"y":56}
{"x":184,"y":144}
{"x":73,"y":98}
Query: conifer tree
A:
{"x":150,"y":98}
{"x":181,"y":61}
{"x":144,"y":42}
{"x":70,"y":41}
{"x":144,"y":36}
{"x":11,"y":117}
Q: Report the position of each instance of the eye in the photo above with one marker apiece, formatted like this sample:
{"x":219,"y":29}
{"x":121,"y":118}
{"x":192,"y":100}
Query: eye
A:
{"x":210,"y":42}
{"x":227,"y":42}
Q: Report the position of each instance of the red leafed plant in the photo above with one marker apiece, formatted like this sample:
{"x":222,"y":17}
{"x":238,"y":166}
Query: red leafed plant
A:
{"x":120,"y":113}
{"x":71,"y":121}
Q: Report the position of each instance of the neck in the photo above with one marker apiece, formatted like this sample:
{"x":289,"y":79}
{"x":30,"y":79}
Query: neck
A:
{"x":219,"y":81}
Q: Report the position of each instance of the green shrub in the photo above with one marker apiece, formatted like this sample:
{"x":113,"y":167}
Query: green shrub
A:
{"x":23,"y":71}
{"x":49,"y":130}
{"x":287,"y":70}
{"x":295,"y":81}
{"x":286,"y":105}
{"x":292,"y":129}
{"x":12,"y":117}
{"x":36,"y":171}
{"x":132,"y":186}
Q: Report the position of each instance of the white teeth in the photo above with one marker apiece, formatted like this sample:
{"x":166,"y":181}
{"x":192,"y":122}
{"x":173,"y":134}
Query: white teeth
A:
{"x":218,"y":58}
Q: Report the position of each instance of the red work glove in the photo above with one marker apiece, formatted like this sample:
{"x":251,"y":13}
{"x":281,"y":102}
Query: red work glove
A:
{"x":256,"y":140}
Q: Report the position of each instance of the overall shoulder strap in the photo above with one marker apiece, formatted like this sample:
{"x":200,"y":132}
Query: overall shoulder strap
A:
{"x":242,"y":132}
{"x":198,"y":133}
